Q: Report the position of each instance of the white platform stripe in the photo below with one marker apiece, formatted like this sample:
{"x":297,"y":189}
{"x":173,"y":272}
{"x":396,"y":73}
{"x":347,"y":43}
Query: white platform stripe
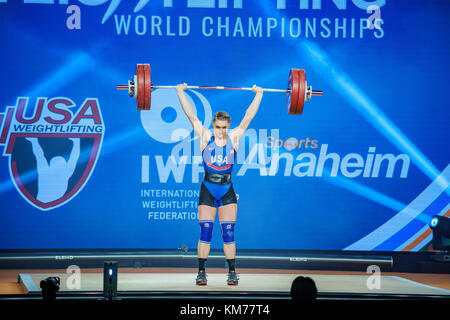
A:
{"x":422,"y":285}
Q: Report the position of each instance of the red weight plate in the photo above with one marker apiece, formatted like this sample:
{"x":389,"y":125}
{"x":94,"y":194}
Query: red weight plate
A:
{"x":301,"y":91}
{"x":292,"y":98}
{"x":140,"y":86}
{"x":136,"y":87}
{"x":148,"y":87}
{"x":289,"y":86}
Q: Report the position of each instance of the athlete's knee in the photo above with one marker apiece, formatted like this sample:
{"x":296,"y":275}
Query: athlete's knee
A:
{"x":206,"y":230}
{"x":228,"y":232}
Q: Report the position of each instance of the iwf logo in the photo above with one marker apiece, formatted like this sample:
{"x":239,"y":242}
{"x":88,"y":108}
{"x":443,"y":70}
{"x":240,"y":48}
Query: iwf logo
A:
{"x":52,"y":149}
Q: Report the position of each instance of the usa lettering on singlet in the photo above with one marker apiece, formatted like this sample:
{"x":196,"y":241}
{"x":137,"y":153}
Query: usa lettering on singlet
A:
{"x":219,"y":159}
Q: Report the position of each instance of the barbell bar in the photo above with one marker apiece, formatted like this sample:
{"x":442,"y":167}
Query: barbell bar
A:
{"x":298,"y":92}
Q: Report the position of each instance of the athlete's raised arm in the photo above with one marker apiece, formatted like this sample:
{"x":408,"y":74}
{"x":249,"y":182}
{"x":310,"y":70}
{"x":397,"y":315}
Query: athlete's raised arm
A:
{"x":38,"y":153}
{"x":74,"y":155}
{"x":237,"y":133}
{"x":203,"y":133}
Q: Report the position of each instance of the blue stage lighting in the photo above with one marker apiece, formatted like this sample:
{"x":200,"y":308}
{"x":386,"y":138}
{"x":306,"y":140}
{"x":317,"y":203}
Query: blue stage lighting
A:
{"x":75,"y":66}
{"x":362,"y":103}
{"x":434,"y":222}
{"x":358,"y":99}
{"x":441,"y":224}
{"x":441,"y":232}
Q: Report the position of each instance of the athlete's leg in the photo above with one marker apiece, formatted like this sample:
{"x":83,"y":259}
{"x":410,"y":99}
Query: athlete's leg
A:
{"x":205,"y":213}
{"x":228,"y":213}
{"x":227,"y":217}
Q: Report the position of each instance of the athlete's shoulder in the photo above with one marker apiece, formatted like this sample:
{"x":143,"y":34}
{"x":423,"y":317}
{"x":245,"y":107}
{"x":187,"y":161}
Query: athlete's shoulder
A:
{"x":207,"y":138}
{"x":234,"y":138}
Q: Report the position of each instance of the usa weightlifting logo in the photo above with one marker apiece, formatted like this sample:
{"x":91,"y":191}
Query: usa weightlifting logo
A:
{"x":52,"y":148}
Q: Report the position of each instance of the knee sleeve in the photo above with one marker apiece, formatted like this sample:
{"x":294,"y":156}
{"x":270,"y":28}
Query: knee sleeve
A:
{"x":206,"y":229}
{"x":228,"y":232}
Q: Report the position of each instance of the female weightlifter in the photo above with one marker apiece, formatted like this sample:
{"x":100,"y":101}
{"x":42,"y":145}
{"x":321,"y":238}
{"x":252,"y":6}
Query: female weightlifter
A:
{"x":219,"y":150}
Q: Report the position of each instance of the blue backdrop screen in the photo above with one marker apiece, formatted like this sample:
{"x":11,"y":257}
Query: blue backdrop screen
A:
{"x":365,"y":167}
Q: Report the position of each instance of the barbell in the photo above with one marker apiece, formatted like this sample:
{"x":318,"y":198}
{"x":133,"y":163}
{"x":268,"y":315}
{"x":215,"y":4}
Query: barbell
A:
{"x":298,"y":92}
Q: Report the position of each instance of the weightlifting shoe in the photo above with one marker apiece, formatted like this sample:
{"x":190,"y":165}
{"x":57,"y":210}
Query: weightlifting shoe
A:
{"x":233,"y":279}
{"x":201,"y":278}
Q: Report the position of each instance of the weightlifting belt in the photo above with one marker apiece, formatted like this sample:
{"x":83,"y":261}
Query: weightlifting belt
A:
{"x":217,"y":178}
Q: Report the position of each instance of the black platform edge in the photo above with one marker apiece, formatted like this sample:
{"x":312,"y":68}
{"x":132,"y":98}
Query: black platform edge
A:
{"x":414,"y":262}
{"x":181,"y":259}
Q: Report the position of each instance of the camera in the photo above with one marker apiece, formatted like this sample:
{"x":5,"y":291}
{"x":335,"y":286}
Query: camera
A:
{"x":49,"y":288}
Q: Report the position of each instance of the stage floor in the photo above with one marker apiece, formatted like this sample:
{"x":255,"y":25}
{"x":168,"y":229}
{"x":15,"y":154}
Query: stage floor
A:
{"x":257,"y":281}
